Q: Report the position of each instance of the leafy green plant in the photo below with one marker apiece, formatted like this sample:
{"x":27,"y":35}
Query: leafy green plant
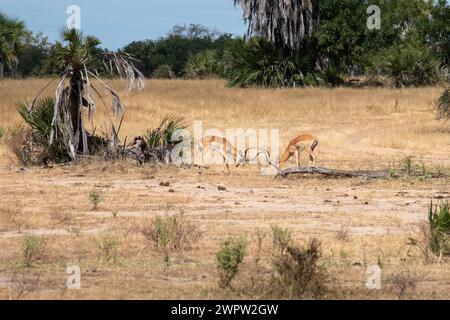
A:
{"x":411,"y":66}
{"x":161,"y":137}
{"x":256,"y":63}
{"x":281,"y":238}
{"x":95,"y":198}
{"x":443,"y":105}
{"x":407,"y":165}
{"x":439,"y":222}
{"x":164,"y":71}
{"x":108,"y":246}
{"x":32,"y":249}
{"x":203,"y":65}
{"x":229,"y":258}
{"x":39,"y":118}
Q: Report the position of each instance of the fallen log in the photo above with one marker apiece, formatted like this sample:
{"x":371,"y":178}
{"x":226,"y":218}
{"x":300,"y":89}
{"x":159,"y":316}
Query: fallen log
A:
{"x":333,"y":172}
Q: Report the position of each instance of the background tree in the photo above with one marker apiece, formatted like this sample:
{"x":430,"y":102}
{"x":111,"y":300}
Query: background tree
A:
{"x":285,"y":23}
{"x":12,"y":32}
{"x":74,"y":57}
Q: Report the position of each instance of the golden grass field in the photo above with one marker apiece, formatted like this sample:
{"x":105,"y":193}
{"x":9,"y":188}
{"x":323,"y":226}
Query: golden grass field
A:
{"x":359,"y":222}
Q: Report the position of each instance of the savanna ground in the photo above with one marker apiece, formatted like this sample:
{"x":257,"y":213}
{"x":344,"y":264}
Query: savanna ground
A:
{"x":359,"y":222}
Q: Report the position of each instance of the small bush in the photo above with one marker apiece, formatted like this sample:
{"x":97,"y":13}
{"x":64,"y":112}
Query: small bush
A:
{"x":2,"y":133}
{"x":298,"y":273}
{"x":95,"y":198}
{"x":164,"y":71}
{"x":443,"y":106}
{"x":407,"y":165}
{"x":32,"y":249}
{"x":171,"y":233}
{"x":108,"y":246}
{"x":439,"y":221}
{"x":281,"y":238}
{"x":229,"y":257}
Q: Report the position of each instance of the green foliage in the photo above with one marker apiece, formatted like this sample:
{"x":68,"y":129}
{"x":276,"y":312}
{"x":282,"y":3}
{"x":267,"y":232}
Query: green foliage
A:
{"x":109,"y":246}
{"x":443,"y":105}
{"x":203,"y":65}
{"x":32,"y":249}
{"x":12,"y":32}
{"x":281,"y":238}
{"x":229,"y":258}
{"x":407,"y":165}
{"x":439,"y":220}
{"x":95,"y":198}
{"x":39,"y":119}
{"x":2,"y":133}
{"x":161,"y":137}
{"x":411,"y":66}
{"x":171,"y":233}
{"x":164,"y":71}
{"x":256,"y":62}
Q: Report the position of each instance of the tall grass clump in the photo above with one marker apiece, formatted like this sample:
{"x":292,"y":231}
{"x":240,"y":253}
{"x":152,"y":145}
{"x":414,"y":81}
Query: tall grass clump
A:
{"x":443,"y":106}
{"x":439,"y":221}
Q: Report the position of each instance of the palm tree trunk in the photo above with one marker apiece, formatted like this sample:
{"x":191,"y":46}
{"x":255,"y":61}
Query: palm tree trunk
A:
{"x":2,"y":70}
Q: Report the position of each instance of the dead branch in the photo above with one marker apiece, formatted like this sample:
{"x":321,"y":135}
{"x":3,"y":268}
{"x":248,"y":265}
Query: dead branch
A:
{"x":333,"y":172}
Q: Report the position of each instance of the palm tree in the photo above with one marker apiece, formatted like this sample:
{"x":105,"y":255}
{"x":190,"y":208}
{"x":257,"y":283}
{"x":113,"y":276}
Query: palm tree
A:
{"x":285,"y":23}
{"x":74,"y":58}
{"x":12,"y":32}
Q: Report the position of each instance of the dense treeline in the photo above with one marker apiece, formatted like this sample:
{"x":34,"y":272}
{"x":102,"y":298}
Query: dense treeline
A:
{"x":412,"y":48}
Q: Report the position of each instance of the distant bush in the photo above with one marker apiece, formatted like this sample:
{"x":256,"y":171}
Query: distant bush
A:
{"x":439,"y":221}
{"x":164,"y":71}
{"x":257,"y":63}
{"x":229,"y":258}
{"x":32,"y":249}
{"x":108,"y":246}
{"x":2,"y":133}
{"x":411,"y":66}
{"x":443,"y":105}
{"x":171,"y":233}
{"x":95,"y":198}
{"x":204,"y":65}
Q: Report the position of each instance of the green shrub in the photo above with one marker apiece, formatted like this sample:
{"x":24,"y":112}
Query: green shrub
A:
{"x":2,"y":133}
{"x":95,"y":198}
{"x":229,"y":257}
{"x":443,"y":105}
{"x":257,"y":63}
{"x":164,"y":71}
{"x":411,"y":66}
{"x":439,"y":221}
{"x":281,"y":238}
{"x":203,"y":65}
{"x":108,"y":246}
{"x":161,"y":137}
{"x":32,"y":249}
{"x":35,"y":146}
{"x":171,"y":233}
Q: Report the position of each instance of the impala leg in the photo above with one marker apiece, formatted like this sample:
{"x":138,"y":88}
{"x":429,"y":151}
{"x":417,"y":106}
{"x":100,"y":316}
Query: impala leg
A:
{"x":299,"y":153}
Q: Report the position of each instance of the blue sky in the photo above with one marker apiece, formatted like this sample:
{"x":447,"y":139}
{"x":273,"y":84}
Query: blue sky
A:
{"x":118,"y":22}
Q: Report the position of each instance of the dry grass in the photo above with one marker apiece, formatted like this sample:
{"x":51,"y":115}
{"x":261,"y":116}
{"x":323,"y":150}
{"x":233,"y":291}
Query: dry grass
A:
{"x":357,"y":128}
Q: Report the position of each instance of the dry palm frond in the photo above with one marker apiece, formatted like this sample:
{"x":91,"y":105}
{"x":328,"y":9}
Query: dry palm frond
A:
{"x":285,"y":22}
